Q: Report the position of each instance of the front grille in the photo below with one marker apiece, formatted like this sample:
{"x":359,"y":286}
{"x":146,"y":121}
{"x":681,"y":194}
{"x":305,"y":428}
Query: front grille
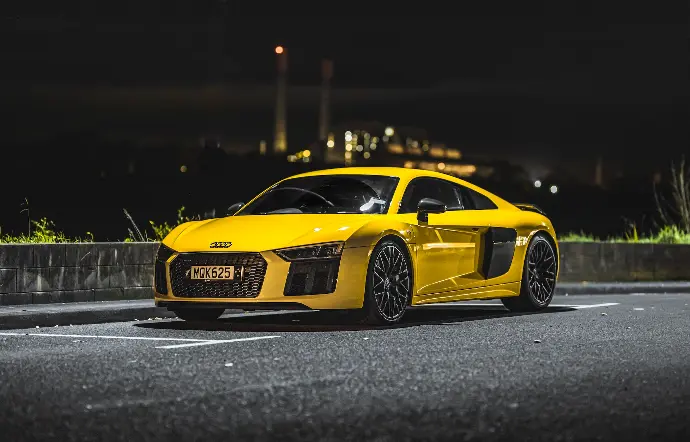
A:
{"x":250,"y":269}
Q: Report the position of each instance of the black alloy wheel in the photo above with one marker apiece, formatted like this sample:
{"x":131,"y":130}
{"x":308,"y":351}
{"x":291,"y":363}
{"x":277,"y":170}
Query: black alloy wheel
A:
{"x":541,"y":272}
{"x":389,"y":283}
{"x":538,"y":278}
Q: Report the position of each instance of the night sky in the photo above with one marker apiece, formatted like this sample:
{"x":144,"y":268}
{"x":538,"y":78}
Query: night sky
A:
{"x":529,"y":82}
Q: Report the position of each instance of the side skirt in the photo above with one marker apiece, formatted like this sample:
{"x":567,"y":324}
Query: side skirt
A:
{"x":488,"y":292}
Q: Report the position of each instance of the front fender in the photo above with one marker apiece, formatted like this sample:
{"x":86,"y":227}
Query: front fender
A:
{"x":371,"y":233}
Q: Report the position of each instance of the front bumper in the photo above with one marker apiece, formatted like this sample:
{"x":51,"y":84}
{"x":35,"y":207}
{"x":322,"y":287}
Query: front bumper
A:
{"x":348,"y":294}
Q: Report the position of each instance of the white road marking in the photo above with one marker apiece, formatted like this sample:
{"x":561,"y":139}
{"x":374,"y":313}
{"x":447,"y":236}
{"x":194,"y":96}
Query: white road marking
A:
{"x":223,"y":341}
{"x":579,"y":307}
{"x":141,"y":338}
{"x":477,"y":304}
{"x":190,"y":342}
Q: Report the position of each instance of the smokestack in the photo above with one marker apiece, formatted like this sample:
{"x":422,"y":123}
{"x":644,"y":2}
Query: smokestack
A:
{"x":280,"y":133}
{"x":324,"y":111}
{"x":599,"y":172}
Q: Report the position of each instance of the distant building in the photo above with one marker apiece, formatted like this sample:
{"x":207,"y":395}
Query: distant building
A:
{"x":376,"y":144}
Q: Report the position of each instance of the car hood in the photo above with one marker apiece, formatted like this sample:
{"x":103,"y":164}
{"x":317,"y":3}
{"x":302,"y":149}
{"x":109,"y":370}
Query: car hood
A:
{"x":256,"y":233}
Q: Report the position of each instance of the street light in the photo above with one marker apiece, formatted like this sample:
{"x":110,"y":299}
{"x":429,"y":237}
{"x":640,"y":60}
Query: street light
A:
{"x":389,"y":132}
{"x":279,"y":49}
{"x":537,"y":184}
{"x":554,"y":189}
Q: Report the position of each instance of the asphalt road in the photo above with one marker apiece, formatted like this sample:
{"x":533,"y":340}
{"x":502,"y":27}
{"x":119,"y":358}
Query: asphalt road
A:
{"x":453,"y":372}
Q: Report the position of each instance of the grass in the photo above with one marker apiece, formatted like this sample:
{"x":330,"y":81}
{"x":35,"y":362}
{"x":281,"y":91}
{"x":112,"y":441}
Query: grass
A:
{"x":666,"y":235}
{"x":160,"y":230}
{"x":43,"y":231}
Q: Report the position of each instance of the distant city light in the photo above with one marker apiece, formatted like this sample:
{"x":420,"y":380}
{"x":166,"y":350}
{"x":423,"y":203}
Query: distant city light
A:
{"x":348,"y":136}
{"x":372,"y":146}
{"x":360,"y":148}
{"x":306,"y":153}
{"x":348,"y":147}
{"x":330,"y":144}
{"x":348,"y":155}
{"x":279,"y":49}
{"x":367,"y":155}
{"x":183,"y":168}
{"x":537,"y":183}
{"x":554,"y":189}
{"x":441,"y":166}
{"x":389,"y":132}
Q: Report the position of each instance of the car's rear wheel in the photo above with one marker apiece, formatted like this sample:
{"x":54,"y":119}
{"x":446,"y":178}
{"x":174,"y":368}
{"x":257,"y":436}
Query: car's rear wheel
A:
{"x":538,"y":277}
{"x":199,"y":314}
{"x":389,"y":284}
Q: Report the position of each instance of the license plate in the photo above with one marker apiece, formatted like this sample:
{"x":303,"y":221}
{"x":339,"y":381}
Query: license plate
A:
{"x":212,"y":272}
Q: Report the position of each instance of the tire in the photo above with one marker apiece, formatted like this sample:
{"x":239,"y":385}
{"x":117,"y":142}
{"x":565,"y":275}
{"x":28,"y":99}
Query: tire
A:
{"x":388,"y":287}
{"x":538,"y":277}
{"x":199,"y":314}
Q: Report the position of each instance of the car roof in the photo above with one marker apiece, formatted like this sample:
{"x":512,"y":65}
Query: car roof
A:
{"x":372,"y":170}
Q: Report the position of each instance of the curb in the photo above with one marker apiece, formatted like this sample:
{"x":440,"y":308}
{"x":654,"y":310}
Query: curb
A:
{"x":622,"y":288}
{"x":79,"y":313}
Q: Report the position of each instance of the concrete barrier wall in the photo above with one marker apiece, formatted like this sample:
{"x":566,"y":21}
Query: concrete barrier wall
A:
{"x":48,"y":273}
{"x":611,"y":262}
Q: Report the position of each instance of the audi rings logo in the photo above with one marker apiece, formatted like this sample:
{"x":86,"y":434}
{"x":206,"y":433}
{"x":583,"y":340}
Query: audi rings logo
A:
{"x":220,"y":244}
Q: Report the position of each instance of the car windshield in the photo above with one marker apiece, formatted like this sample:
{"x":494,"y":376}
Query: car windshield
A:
{"x":326,"y":194}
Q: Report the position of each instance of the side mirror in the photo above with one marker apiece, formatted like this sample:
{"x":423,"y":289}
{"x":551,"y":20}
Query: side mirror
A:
{"x":234,"y":209}
{"x":427,"y":206}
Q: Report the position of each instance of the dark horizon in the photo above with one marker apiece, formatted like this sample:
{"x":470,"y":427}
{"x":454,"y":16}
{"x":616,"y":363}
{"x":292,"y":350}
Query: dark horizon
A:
{"x":543,"y":80}
{"x":549,"y":88}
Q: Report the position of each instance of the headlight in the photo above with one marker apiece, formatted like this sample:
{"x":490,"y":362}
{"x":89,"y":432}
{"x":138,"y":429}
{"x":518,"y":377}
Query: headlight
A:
{"x":317,"y":251}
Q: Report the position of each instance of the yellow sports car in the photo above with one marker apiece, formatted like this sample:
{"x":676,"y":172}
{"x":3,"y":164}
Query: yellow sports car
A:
{"x":371,"y":240}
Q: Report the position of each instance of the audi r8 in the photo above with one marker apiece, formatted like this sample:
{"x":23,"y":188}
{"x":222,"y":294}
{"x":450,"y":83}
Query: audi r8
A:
{"x":369,"y":240}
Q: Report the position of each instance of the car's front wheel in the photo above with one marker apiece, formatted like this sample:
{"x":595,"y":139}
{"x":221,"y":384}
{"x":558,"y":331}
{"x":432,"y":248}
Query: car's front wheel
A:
{"x":389,"y":284}
{"x":538,"y":277}
{"x":199,"y":314}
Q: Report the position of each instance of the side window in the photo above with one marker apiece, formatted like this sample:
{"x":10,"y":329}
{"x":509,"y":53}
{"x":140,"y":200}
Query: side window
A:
{"x":477,"y":201}
{"x":430,"y":188}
